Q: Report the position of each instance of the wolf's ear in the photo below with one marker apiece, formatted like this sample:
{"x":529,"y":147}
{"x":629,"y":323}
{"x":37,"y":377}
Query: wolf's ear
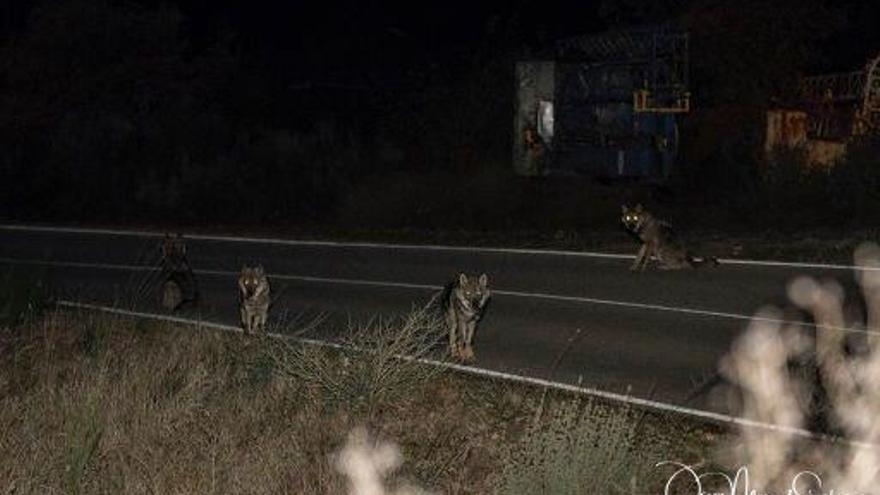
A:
{"x":624,"y":208}
{"x":462,"y":279}
{"x":639,"y":207}
{"x":484,"y":280}
{"x":259,"y":269}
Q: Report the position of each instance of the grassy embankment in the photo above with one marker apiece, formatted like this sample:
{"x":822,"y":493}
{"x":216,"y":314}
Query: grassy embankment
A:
{"x":94,"y":403}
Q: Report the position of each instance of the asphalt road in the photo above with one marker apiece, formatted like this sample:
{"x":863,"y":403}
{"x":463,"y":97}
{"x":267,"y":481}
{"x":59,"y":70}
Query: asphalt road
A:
{"x":655,"y":334}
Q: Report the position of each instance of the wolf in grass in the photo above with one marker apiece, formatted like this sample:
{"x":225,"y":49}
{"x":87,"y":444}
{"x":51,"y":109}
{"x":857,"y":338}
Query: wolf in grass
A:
{"x":253,"y":288}
{"x":179,"y":287}
{"x":659,"y":241}
{"x":463,"y":303}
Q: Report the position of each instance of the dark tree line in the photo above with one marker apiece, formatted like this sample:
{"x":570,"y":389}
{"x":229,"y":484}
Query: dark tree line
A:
{"x":116,"y":110}
{"x":110,"y":112}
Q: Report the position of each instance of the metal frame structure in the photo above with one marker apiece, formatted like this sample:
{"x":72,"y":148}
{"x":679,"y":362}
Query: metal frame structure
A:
{"x":606,"y":106}
{"x":871,"y":91}
{"x":845,"y":104}
{"x":657,"y":57}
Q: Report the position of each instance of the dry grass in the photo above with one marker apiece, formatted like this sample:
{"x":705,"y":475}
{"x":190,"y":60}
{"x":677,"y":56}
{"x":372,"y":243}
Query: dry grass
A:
{"x":366,"y":370}
{"x":100,"y":404}
{"x":93,"y":404}
{"x":583,"y":449}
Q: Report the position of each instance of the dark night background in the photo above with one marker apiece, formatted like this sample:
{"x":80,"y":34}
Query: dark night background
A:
{"x":363,"y":114}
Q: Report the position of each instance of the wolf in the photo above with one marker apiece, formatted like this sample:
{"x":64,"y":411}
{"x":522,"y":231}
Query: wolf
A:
{"x":253,"y":287}
{"x":659,"y":241}
{"x":464,"y":302}
{"x":179,"y":285}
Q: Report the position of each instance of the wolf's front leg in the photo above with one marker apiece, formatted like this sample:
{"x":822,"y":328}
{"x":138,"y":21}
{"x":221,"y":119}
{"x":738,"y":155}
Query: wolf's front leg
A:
{"x":467,"y":351}
{"x":650,"y":252}
{"x":451,"y":324}
{"x":639,"y":257}
{"x":244,"y":319}
{"x":261,"y":319}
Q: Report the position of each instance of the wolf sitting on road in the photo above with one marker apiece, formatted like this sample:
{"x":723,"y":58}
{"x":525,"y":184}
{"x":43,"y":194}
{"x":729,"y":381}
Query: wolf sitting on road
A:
{"x":658,"y":241}
{"x":179,"y":286}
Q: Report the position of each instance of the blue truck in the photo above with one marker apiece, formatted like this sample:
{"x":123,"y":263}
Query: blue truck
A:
{"x":605,"y":106}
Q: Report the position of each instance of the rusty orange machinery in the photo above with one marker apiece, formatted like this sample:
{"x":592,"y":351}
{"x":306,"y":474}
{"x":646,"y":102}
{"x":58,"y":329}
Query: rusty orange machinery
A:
{"x":833,"y":110}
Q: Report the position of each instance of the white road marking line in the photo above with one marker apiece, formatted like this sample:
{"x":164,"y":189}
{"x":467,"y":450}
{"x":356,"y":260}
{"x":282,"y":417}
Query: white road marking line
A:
{"x":406,"y":285}
{"x":487,"y":373}
{"x":80,"y":264}
{"x":414,"y":247}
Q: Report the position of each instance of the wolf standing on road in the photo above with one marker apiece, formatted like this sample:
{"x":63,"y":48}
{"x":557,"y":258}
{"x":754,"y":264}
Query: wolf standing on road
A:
{"x":464,"y":302}
{"x":179,"y":285}
{"x":658,"y":241}
{"x":253,"y":287}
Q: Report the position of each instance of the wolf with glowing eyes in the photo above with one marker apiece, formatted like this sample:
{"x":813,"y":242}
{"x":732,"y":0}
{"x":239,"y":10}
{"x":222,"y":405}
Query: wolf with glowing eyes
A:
{"x":659,"y":242}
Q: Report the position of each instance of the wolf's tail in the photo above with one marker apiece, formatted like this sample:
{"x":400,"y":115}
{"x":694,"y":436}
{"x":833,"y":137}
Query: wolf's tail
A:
{"x":701,"y":261}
